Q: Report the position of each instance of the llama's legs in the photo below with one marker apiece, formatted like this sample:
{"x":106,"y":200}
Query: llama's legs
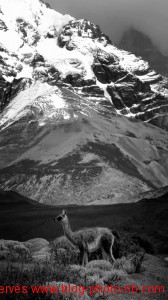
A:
{"x":111,"y":254}
{"x":85,"y":258}
{"x":81,"y":258}
{"x":104,"y":254}
{"x":85,"y":253}
{"x":107,"y":245}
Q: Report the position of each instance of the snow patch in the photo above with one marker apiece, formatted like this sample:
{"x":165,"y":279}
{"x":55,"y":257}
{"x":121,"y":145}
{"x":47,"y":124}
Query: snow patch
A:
{"x":41,"y":96}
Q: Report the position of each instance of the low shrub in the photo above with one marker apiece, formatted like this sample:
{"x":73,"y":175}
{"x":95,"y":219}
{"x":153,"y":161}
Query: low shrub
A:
{"x":137,"y":260}
{"x":130,"y":264}
{"x":128,"y":243}
{"x":144,"y":243}
{"x":63,"y":252}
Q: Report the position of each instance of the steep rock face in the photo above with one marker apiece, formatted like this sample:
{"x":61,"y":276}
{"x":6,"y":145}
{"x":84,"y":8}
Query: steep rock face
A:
{"x":9,"y":90}
{"x":65,"y":91}
{"x":3,"y":26}
{"x":128,"y":82}
{"x":27,"y":32}
{"x":2,"y":23}
{"x":141,"y":45}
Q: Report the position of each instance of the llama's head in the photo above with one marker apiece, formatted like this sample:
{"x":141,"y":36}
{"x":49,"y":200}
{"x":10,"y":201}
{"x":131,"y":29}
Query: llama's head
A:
{"x":62,"y":217}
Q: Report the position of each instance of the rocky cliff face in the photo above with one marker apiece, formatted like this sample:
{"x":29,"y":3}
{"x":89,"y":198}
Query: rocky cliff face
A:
{"x":72,"y":106}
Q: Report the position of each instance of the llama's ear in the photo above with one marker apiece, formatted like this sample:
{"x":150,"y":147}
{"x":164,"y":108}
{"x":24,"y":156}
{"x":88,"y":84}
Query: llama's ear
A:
{"x":64,"y":212}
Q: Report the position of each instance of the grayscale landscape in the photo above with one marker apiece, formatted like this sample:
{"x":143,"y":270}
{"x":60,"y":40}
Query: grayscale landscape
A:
{"x":84,"y":135}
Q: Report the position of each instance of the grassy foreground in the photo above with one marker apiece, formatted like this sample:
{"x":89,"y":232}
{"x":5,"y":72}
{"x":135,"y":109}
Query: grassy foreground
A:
{"x":132,"y":270}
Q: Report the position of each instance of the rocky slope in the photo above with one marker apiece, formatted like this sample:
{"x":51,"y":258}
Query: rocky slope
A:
{"x":71,"y":111}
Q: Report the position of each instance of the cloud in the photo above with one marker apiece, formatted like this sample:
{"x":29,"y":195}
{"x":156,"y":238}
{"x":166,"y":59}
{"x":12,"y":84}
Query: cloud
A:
{"x":116,"y":16}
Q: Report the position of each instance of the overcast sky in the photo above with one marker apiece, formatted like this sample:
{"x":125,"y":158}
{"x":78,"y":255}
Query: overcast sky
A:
{"x":115,"y":16}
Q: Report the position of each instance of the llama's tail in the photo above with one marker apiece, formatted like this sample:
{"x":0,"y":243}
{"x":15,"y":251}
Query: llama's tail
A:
{"x":116,"y":234}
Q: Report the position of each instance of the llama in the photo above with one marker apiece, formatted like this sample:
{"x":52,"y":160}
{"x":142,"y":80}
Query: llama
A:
{"x":88,"y":240}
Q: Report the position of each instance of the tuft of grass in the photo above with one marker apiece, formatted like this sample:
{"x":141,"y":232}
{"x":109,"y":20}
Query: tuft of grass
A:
{"x":100,"y":264}
{"x":124,"y":264}
{"x":92,"y":271}
{"x":113,"y":276}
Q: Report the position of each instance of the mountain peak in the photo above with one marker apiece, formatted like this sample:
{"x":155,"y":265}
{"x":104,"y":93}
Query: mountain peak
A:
{"x":140,"y":44}
{"x":33,"y":16}
{"x":78,"y":31}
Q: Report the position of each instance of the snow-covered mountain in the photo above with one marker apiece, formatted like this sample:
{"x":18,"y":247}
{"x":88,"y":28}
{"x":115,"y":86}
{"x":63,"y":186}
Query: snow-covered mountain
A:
{"x":38,"y":43}
{"x":71,"y":111}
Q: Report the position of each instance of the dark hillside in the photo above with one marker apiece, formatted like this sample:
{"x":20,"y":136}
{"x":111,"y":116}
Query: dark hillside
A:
{"x":22,"y":219}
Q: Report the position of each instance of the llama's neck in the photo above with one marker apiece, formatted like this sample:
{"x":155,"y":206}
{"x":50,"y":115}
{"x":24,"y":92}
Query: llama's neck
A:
{"x":68,"y":232}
